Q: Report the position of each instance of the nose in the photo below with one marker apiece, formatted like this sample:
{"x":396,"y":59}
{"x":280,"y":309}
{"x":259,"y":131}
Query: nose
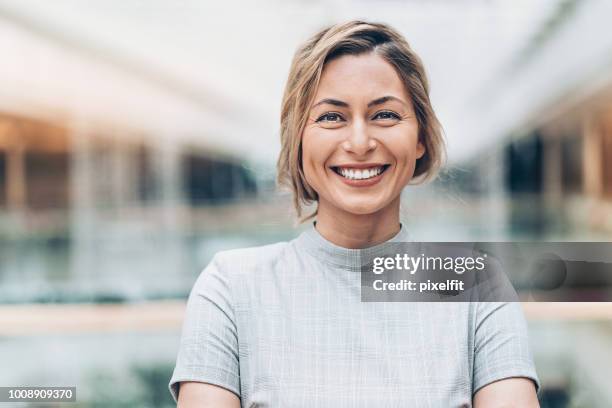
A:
{"x":358,"y":141}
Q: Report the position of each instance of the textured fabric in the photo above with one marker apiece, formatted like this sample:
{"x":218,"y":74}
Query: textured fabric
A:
{"x":282,"y":325}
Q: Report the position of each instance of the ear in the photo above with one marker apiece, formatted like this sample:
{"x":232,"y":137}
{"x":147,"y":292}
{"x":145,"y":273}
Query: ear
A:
{"x":420,"y":150}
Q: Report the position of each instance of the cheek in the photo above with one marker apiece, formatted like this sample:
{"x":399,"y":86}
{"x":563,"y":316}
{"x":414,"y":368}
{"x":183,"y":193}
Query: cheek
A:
{"x":317,"y":145}
{"x":307,"y":155}
{"x":313,"y":157}
{"x":404,"y":146}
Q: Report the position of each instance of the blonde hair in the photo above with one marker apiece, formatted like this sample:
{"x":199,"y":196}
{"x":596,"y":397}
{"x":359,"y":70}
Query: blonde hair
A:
{"x":351,"y":38}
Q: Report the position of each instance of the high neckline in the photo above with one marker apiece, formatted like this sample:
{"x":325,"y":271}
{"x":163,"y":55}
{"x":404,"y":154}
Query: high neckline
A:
{"x":338,"y":256}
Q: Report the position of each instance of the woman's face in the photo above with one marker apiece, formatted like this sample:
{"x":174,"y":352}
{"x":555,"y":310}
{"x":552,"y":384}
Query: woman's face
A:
{"x":360,"y":143}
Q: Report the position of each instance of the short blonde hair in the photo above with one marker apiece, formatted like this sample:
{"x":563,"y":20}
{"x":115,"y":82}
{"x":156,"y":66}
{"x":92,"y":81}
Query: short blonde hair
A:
{"x":351,"y":38}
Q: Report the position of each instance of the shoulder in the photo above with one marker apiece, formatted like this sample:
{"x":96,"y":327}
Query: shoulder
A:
{"x":503,"y":313}
{"x":230,"y":268}
{"x":238,"y":262}
{"x":250,"y":255}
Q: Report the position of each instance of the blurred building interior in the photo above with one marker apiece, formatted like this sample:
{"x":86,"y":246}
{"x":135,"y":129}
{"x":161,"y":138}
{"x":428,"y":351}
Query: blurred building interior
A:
{"x":139,"y":138}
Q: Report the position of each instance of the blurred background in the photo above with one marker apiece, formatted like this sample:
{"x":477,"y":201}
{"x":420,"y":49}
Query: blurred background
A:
{"x":137,"y":138}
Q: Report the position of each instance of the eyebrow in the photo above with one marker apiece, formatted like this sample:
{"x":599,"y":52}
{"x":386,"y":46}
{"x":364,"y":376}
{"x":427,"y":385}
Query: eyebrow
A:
{"x":331,"y":101}
{"x":384,"y":99}
{"x":377,"y":101}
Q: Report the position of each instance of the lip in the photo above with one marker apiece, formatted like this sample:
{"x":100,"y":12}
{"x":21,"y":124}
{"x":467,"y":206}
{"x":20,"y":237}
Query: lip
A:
{"x":360,"y":165}
{"x":363,"y":183}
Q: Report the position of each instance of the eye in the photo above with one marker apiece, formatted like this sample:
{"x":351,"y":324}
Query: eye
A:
{"x":332,"y":117}
{"x":386,"y":115}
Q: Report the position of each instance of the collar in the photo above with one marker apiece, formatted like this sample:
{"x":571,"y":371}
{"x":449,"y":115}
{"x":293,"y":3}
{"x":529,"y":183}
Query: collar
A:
{"x":346,"y":258}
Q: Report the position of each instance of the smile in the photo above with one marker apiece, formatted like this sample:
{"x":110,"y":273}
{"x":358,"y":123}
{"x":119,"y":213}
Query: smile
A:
{"x":360,"y":174}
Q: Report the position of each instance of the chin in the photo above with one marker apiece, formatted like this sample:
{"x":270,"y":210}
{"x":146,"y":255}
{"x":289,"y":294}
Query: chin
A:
{"x":360,"y":208}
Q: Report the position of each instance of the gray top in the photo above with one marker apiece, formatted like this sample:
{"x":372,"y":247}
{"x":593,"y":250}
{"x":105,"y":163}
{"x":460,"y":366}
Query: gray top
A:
{"x":282,"y":325}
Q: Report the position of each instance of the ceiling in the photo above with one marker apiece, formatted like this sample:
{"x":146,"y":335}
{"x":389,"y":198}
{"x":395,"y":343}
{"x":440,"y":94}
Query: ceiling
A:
{"x":236,"y":54}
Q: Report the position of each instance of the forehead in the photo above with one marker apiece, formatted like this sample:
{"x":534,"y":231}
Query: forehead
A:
{"x":364,"y":75}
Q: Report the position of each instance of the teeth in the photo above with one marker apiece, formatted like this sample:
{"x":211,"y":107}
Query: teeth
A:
{"x":360,"y":174}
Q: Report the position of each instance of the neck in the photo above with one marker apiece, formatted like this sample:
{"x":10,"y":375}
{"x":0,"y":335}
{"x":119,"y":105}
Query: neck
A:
{"x":357,"y":231}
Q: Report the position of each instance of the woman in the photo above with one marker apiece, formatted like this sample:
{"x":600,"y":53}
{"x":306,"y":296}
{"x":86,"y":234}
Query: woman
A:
{"x":282,"y":325}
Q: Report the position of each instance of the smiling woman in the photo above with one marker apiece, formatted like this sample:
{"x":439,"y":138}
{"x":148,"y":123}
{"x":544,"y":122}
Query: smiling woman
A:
{"x":368,"y":80}
{"x":283,"y":325}
{"x":359,"y":148}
